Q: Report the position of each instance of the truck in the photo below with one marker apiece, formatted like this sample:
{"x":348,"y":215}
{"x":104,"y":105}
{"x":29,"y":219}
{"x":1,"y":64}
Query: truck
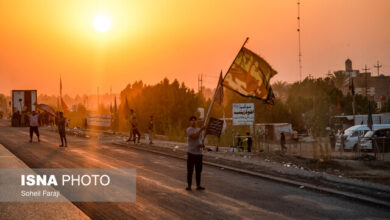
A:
{"x":22,"y":102}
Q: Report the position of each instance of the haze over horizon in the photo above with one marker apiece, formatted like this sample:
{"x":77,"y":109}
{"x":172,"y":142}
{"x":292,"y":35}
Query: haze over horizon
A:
{"x":151,"y":40}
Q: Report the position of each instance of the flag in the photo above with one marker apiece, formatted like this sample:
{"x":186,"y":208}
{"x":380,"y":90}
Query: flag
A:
{"x":219,"y":96}
{"x":47,"y":109}
{"x":352,"y":87}
{"x":369,"y":119}
{"x":63,"y":105}
{"x":250,"y":76}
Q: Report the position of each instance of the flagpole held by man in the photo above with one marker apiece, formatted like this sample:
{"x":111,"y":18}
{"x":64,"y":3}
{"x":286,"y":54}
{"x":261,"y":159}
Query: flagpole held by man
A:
{"x":249,"y":75}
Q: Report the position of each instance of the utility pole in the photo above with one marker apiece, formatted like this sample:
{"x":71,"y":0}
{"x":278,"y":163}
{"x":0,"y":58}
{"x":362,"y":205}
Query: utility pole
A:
{"x":200,"y":83}
{"x":378,"y":66}
{"x":365,"y":74}
{"x":299,"y":40}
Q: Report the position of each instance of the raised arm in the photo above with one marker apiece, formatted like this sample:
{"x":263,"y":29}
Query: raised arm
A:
{"x":196,"y":134}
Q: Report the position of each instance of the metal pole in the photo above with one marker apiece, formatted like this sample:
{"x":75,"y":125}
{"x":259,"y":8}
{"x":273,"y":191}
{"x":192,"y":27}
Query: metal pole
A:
{"x":246,"y":40}
{"x":216,"y":91}
{"x":299,"y":41}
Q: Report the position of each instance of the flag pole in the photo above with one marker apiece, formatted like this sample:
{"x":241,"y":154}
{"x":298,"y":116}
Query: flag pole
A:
{"x":246,"y":40}
{"x":217,"y":89}
{"x":210,"y":107}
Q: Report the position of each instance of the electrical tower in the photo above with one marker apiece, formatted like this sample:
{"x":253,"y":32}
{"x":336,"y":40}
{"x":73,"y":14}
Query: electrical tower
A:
{"x":377,"y":66}
{"x":299,"y":40}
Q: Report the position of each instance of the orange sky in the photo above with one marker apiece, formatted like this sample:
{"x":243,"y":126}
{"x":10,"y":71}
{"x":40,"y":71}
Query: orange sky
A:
{"x":150,"y":40}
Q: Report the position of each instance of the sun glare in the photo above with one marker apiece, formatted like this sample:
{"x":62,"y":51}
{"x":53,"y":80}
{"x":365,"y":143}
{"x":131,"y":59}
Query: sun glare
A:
{"x":102,"y":23}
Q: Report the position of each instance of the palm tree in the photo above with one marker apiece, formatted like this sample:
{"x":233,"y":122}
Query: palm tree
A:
{"x":280,"y":89}
{"x":340,"y":79}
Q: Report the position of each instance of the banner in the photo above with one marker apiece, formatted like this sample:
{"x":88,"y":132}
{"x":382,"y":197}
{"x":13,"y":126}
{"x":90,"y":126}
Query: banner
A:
{"x":47,"y":109}
{"x":99,"y":120}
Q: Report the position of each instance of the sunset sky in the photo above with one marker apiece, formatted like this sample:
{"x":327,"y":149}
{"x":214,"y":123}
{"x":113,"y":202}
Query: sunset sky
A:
{"x":150,"y":40}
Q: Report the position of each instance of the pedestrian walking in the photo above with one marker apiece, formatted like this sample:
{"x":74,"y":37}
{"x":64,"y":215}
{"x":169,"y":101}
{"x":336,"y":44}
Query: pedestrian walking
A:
{"x":134,"y":127}
{"x":194,"y":153}
{"x":130,"y":120}
{"x":332,"y":140}
{"x":34,"y":123}
{"x":239,"y":143}
{"x":283,"y":142}
{"x":61,"y":123}
{"x":295,"y":139}
{"x":249,"y":142}
{"x":150,"y":128}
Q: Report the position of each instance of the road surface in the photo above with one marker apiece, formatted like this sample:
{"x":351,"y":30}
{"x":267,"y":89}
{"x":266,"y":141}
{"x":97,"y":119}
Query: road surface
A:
{"x":161,"y":185}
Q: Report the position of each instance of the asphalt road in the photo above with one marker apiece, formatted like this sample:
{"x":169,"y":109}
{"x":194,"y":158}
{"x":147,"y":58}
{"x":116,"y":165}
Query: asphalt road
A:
{"x":161,"y":183}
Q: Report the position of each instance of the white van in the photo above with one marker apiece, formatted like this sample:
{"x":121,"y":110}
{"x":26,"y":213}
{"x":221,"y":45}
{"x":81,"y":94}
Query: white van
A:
{"x":352,"y":134}
{"x":381,"y":137}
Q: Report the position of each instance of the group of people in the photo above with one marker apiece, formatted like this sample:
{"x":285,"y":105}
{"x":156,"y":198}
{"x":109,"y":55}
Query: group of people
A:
{"x":61,"y":121}
{"x":244,"y":140}
{"x":135,"y":135}
{"x":22,"y":119}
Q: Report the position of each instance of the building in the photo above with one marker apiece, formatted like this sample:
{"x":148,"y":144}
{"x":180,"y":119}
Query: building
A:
{"x":376,"y":88}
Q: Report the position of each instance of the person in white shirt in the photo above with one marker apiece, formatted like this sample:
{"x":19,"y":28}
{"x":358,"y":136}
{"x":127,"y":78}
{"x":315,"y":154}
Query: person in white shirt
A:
{"x":33,"y":119}
{"x":194,"y":153}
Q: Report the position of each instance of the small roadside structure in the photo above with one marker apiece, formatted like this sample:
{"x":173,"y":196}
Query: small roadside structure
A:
{"x":272,"y":130}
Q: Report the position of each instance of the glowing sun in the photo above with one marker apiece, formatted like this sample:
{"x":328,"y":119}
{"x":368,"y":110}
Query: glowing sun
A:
{"x":102,"y":23}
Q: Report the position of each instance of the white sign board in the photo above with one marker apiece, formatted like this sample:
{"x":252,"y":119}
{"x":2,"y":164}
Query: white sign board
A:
{"x":99,"y":120}
{"x":201,"y":112}
{"x":243,"y":113}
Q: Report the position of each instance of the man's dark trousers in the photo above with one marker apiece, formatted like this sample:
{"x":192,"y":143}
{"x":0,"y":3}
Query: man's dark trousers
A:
{"x":197,"y":161}
{"x":34,"y":129}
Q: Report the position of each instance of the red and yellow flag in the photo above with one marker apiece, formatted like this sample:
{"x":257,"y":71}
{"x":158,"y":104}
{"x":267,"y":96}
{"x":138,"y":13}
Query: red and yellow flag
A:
{"x":250,"y":76}
{"x":63,"y":105}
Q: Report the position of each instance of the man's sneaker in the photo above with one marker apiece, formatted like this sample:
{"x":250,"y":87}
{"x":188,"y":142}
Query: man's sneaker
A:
{"x":200,"y":188}
{"x":188,"y":188}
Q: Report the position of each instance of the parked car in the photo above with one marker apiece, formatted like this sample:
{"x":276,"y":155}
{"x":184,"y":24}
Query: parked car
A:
{"x":350,"y":138}
{"x":377,"y":140}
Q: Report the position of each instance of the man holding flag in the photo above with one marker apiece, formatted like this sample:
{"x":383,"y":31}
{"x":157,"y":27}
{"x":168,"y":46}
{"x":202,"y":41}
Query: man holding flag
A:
{"x":249,"y":75}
